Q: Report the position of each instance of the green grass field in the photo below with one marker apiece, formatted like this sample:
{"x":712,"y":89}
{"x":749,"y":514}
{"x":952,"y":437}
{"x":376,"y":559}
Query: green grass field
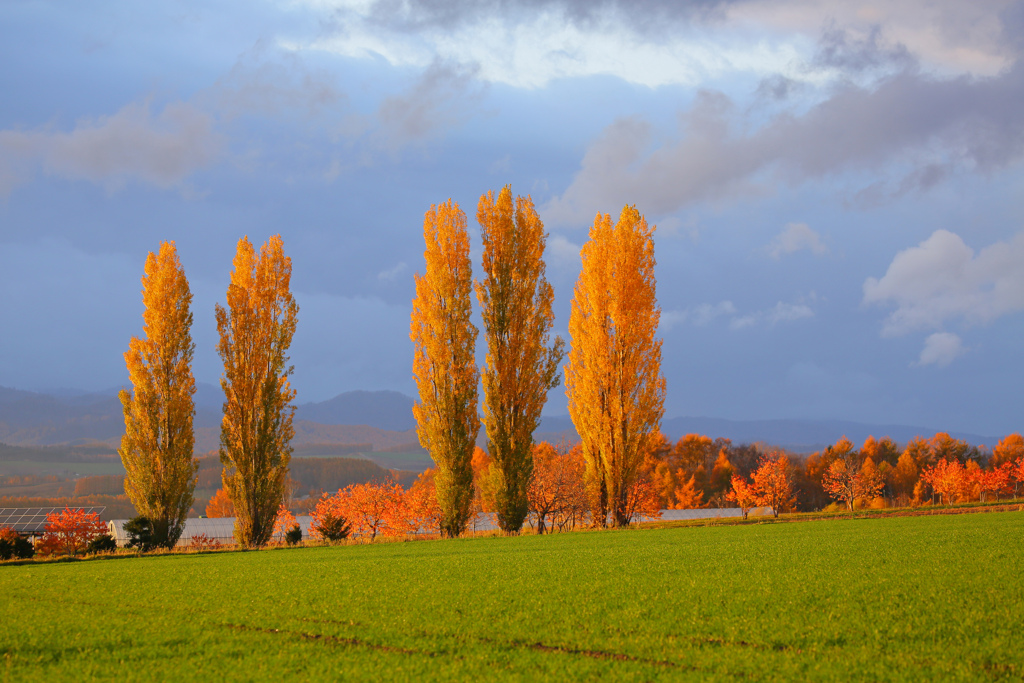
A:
{"x":910,"y":598}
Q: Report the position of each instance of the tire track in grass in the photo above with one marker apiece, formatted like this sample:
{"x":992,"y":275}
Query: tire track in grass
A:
{"x":334,"y":640}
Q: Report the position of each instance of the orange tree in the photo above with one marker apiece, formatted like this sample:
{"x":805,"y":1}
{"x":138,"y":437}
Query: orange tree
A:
{"x":743,"y":494}
{"x":156,"y":448}
{"x":613,"y":378}
{"x":220,"y":505}
{"x":330,"y":518}
{"x":948,"y":478}
{"x":444,"y":364}
{"x":70,"y":531}
{"x":421,"y":507}
{"x":522,"y":361}
{"x":256,"y":331}
{"x":773,"y":483}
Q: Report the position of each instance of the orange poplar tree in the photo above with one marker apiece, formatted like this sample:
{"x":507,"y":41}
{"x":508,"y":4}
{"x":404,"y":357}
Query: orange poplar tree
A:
{"x":256,"y":330}
{"x":444,"y":364}
{"x":156,"y":448}
{"x":613,"y":378}
{"x":522,"y":362}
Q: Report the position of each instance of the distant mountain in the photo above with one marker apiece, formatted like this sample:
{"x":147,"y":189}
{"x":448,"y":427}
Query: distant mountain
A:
{"x":388,"y":410}
{"x":800,"y":436}
{"x":384,"y":420}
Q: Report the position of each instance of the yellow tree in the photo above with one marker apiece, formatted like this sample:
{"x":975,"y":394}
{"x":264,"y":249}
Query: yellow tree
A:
{"x":522,"y":362}
{"x":256,"y":330}
{"x":613,"y":378}
{"x":156,"y":448}
{"x":444,"y":363}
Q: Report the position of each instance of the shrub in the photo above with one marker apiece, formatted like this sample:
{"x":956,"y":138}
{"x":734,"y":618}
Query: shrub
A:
{"x":140,"y":533}
{"x":104,"y":543}
{"x":13,"y":545}
{"x":333,"y":527}
{"x":204,"y":542}
{"x":294,"y":535}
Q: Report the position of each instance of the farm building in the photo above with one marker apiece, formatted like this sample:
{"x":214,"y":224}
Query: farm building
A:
{"x":221,"y":529}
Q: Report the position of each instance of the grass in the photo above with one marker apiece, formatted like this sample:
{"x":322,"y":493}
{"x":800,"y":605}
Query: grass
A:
{"x":906,"y":598}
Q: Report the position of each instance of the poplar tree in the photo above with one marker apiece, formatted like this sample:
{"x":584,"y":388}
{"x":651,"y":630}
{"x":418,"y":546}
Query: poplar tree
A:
{"x":255,"y":331}
{"x":522,"y":363}
{"x":613,"y":377}
{"x":156,"y":448}
{"x":444,"y":363}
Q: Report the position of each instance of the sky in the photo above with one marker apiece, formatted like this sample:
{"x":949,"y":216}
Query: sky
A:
{"x":837,"y":186}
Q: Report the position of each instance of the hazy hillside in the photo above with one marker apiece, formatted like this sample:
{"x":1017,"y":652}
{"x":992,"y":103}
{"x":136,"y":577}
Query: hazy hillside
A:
{"x":388,"y":410}
{"x":383,"y":419}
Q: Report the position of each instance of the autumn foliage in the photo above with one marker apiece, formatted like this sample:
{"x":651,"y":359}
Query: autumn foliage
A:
{"x":220,"y":505}
{"x":613,"y":377}
{"x":156,"y":449}
{"x":68,"y":532}
{"x":444,"y":364}
{"x":256,"y":331}
{"x":522,"y":361}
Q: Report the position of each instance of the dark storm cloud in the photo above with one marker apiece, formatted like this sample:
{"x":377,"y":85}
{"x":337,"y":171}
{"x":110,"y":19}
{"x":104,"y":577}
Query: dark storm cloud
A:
{"x":910,"y":118}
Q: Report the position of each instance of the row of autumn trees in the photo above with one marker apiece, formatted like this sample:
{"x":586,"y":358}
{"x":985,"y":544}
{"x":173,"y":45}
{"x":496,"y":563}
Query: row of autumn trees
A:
{"x":613,"y":375}
{"x":255,"y":331}
{"x":697,"y":472}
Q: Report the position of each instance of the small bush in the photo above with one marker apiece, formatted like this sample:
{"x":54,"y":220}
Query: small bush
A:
{"x":334,"y":527}
{"x":104,"y":543}
{"x":294,"y":535}
{"x":140,"y":533}
{"x":203,"y":542}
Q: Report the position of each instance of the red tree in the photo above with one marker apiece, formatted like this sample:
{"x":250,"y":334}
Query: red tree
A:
{"x":70,"y":531}
{"x":772,"y":482}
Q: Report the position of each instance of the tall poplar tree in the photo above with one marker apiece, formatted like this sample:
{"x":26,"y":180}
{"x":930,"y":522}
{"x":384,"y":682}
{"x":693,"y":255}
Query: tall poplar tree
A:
{"x":613,"y":377}
{"x":522,"y":363}
{"x":156,"y":448}
{"x":255,"y":331}
{"x":444,"y":363}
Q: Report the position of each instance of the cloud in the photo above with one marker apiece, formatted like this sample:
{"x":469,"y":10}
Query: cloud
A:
{"x":793,"y":238}
{"x":391,"y":274}
{"x":699,"y":316}
{"x":941,"y":349}
{"x":942,"y":279}
{"x":563,"y":253}
{"x":780,"y":312}
{"x":436,"y":101}
{"x":908,"y":119}
{"x":132,"y":144}
{"x":705,"y":314}
{"x":529,"y":43}
{"x":272,"y":82}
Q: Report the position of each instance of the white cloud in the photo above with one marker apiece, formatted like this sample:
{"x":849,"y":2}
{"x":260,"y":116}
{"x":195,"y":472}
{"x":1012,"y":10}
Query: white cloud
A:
{"x":943,"y":279}
{"x":699,"y":316}
{"x":563,"y":253}
{"x":941,"y":349}
{"x":132,"y":144}
{"x":391,"y":274}
{"x":530,"y":43}
{"x":532,"y":48}
{"x":793,"y":238}
{"x":780,"y":312}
